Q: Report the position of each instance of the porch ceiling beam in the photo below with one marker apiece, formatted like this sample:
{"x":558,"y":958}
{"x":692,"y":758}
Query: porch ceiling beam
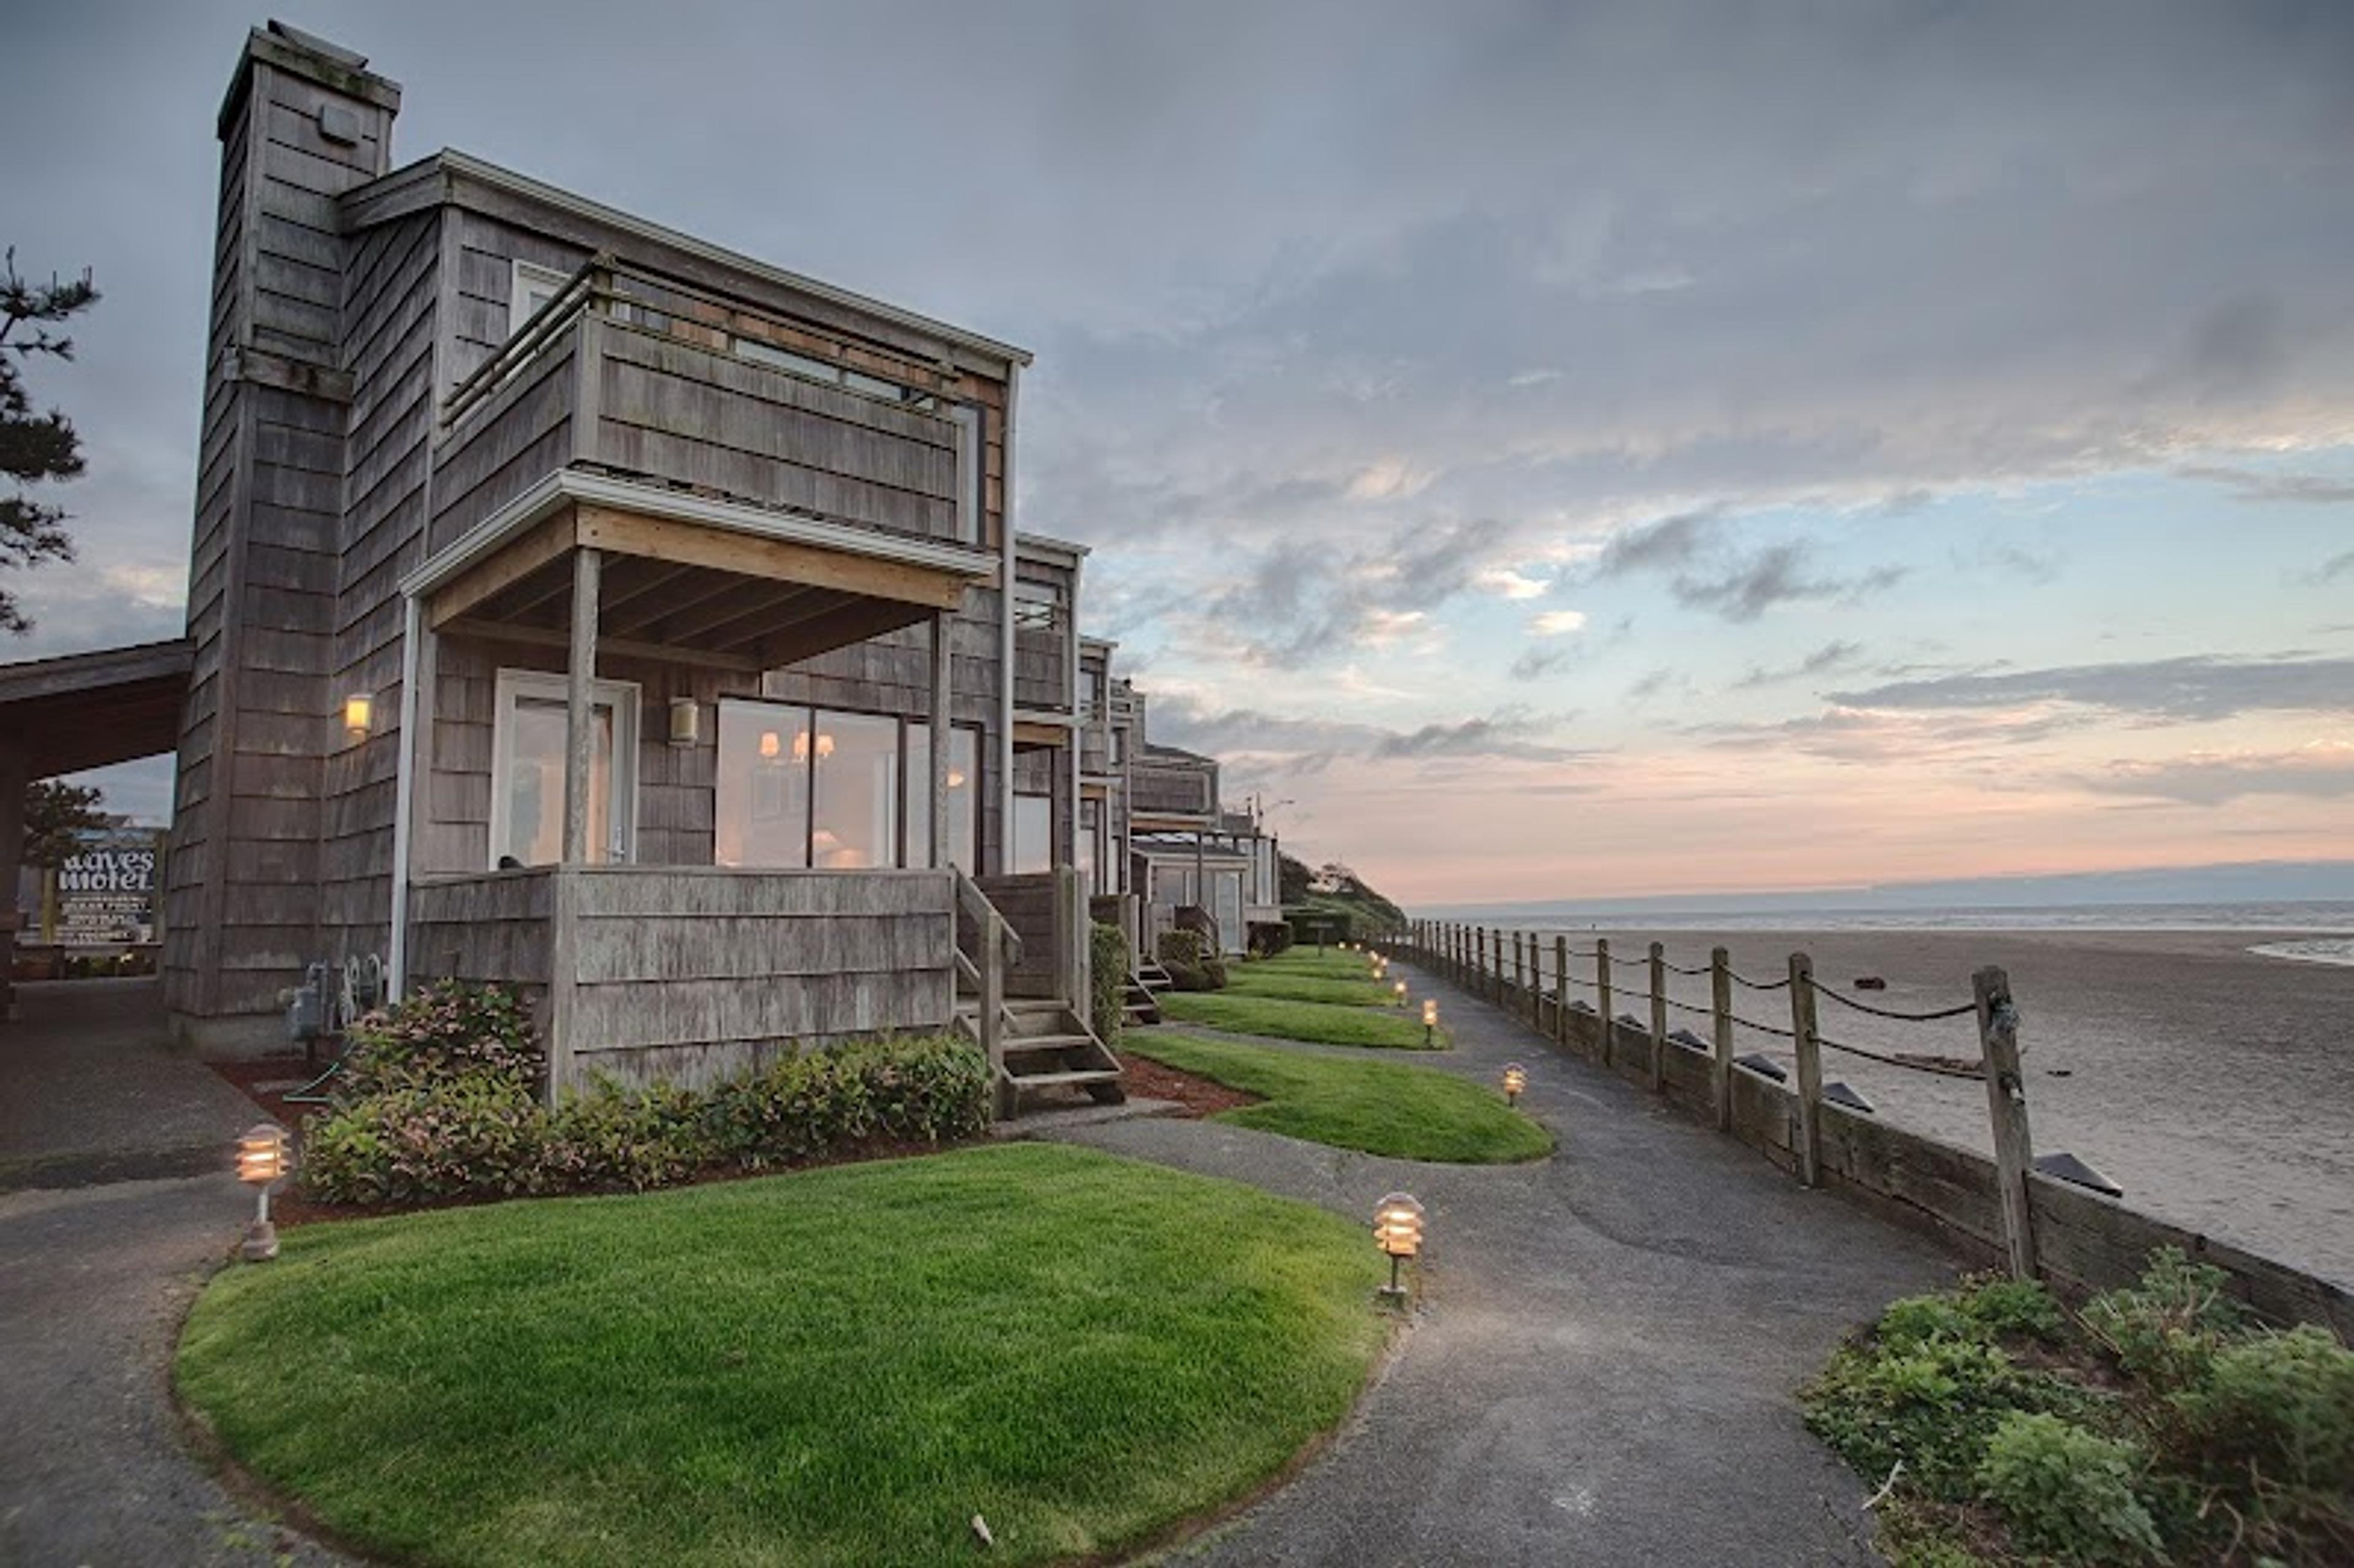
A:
{"x":695,"y":587}
{"x":641,"y":578}
{"x":613,"y":646}
{"x":757,"y":600}
{"x":784,"y":560}
{"x":853,"y":622}
{"x":488,"y":578}
{"x":751,"y":631}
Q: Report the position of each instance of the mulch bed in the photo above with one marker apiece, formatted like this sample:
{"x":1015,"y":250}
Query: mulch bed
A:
{"x":1199,"y":1097}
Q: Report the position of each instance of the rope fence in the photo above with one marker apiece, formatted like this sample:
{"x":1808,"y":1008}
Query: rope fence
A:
{"x":1525,"y":974}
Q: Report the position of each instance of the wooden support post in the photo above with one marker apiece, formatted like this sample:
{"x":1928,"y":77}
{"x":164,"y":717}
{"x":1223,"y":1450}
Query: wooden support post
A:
{"x":993,"y":1012}
{"x":2014,"y":1151}
{"x":580,"y":711}
{"x":1720,"y":1002}
{"x":1071,"y":921}
{"x":1809,"y":1050}
{"x":1561,"y":990}
{"x":1658,"y":1016}
{"x":1602,"y":998}
{"x":936,"y":852}
{"x":12,"y":779}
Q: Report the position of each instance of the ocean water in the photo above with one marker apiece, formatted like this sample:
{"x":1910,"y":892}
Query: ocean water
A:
{"x":2333,"y":920}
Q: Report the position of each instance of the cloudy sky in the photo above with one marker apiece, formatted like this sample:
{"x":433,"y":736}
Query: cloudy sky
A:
{"x":1560,"y":450}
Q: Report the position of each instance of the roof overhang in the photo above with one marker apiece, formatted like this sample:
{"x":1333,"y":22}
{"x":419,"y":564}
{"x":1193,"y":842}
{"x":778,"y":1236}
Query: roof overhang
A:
{"x":92,"y":710}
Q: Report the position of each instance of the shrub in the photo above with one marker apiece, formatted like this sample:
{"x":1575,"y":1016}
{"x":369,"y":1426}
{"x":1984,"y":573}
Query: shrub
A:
{"x":478,"y":1134}
{"x":1181,"y":953}
{"x":474,"y":1135}
{"x":2278,"y":1404}
{"x":2015,"y":1309}
{"x":2167,"y":1328}
{"x":1108,"y":970}
{"x":446,"y":1030}
{"x":1932,"y":1403}
{"x":2068,"y":1492}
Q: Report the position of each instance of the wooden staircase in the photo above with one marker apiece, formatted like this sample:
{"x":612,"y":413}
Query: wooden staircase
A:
{"x":1037,"y":1045}
{"x":1141,"y":1003}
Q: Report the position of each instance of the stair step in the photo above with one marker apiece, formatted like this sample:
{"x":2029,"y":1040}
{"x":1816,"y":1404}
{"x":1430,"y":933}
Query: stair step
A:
{"x":1026,"y":1045}
{"x":1076,"y":1075}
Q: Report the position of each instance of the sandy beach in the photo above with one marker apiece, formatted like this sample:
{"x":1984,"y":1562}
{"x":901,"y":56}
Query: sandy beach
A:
{"x":2216,"y":1085}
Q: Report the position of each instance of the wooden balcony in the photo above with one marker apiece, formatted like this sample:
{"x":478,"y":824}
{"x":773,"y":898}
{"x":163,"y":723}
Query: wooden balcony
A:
{"x":640,"y":378}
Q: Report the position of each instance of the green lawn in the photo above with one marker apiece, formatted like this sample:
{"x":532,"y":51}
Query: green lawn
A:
{"x":1331,"y":964}
{"x":1381,"y":1108}
{"x":1318,"y":1022}
{"x":1259,"y":979}
{"x":839,"y":1366}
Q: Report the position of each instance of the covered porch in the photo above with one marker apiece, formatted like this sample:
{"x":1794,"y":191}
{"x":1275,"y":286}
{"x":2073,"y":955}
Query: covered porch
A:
{"x":603,"y":803}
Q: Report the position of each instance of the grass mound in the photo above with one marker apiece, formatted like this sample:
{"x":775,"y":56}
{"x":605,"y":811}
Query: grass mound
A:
{"x":1318,"y":1022}
{"x":1257,"y":980}
{"x":1380,"y":1107}
{"x":840,"y":1366}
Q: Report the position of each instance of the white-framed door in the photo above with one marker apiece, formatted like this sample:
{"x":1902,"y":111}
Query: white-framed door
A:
{"x":528,"y":742}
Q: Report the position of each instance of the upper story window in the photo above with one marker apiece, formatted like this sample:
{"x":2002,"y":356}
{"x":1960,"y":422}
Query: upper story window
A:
{"x":533,"y":287}
{"x":1037,"y":606}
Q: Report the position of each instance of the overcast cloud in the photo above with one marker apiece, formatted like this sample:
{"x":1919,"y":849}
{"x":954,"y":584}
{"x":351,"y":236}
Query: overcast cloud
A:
{"x":1387,"y":351}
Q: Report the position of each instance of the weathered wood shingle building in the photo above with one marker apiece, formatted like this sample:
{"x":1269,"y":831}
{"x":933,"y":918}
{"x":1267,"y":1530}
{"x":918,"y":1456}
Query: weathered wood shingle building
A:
{"x":576,"y":603}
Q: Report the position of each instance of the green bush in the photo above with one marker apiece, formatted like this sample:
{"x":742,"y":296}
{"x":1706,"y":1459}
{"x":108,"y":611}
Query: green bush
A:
{"x":479,"y":1133}
{"x":1932,"y":1403}
{"x":1191,"y":965}
{"x":2167,"y":1328}
{"x":2277,"y":1404}
{"x":445,"y":1030}
{"x":1108,"y":969}
{"x":2067,"y":1492}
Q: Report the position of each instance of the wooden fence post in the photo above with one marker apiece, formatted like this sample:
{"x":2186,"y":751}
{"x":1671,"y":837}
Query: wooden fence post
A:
{"x":1561,"y":990}
{"x":1520,"y":964}
{"x":2014,"y":1151}
{"x":1810,"y":1068}
{"x":1658,"y":1016}
{"x":1479,"y":961}
{"x":1719,"y":997}
{"x":1602,"y":998}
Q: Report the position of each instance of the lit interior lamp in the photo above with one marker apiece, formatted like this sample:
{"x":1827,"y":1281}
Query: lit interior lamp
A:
{"x":1516,"y":1078}
{"x":1429,"y":1019}
{"x":359,"y":716}
{"x":1397,"y":1231}
{"x":260,"y":1159}
{"x":770,"y":745}
{"x":956,"y":777}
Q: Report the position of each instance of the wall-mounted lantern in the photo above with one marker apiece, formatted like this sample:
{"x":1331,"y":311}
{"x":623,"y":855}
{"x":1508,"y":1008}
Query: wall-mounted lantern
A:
{"x":359,"y":716}
{"x":685,"y":722}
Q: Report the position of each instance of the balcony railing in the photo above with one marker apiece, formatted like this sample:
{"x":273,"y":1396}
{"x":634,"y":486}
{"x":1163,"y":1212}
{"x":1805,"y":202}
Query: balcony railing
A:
{"x":642,"y":376}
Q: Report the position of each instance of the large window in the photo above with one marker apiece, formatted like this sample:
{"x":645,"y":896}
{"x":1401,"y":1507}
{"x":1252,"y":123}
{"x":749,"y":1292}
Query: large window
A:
{"x":964,"y":774}
{"x":810,"y":787}
{"x":528,"y":749}
{"x":1033,"y":833}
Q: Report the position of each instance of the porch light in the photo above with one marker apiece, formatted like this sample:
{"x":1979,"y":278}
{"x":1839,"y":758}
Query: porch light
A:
{"x":359,"y":715}
{"x":260,"y":1159}
{"x":686,"y":723}
{"x":1516,"y":1078}
{"x":1397,"y":1231}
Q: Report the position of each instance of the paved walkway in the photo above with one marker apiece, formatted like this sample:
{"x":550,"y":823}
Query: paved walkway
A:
{"x":1601,"y":1368}
{"x":102,"y":1244}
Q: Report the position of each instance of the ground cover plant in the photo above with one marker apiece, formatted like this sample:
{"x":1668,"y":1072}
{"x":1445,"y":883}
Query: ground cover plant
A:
{"x":2159,"y":1424}
{"x":440,"y":1098}
{"x":1380,"y":1107}
{"x":832,"y":1366}
{"x":1318,"y":1022}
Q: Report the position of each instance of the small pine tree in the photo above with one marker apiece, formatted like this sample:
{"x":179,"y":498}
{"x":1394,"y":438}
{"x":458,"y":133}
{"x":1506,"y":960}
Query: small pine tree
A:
{"x":33,"y":447}
{"x":56,"y":816}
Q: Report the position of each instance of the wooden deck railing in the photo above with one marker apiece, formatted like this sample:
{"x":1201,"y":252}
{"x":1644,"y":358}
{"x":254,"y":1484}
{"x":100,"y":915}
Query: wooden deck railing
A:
{"x":996,"y":948}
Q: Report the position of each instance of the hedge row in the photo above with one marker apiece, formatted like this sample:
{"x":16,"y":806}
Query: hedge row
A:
{"x":441,"y":1099}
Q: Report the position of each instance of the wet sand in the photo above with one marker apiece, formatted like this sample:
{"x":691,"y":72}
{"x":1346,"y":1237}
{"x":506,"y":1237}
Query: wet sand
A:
{"x":2215,"y":1086}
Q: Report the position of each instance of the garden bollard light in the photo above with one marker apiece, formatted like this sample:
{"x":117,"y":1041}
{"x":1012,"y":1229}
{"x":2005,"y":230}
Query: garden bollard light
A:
{"x":1397,"y":1231}
{"x":1398,"y":991}
{"x":1516,"y":1078}
{"x":260,"y":1159}
{"x":1429,"y":1021}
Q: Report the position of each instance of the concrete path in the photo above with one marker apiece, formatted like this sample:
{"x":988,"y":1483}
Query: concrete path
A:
{"x":95,"y":1272}
{"x":1601,"y":1367}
